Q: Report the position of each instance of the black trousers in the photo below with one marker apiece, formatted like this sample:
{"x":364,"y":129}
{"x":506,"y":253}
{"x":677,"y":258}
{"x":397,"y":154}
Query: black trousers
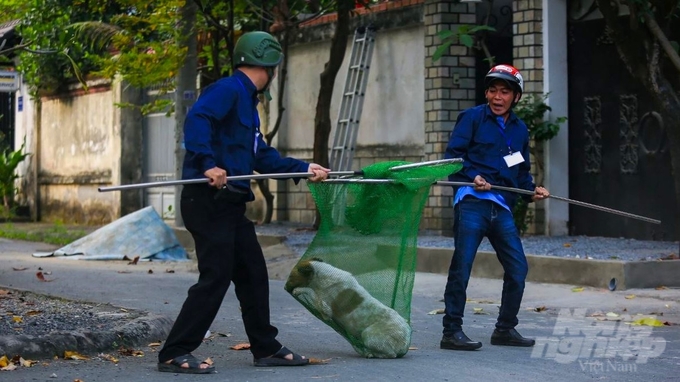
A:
{"x":227,"y":250}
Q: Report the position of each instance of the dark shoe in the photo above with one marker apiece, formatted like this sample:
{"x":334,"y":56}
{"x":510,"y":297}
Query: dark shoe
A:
{"x":176,"y":365}
{"x":510,"y":338}
{"x":459,"y":341}
{"x":279,"y":359}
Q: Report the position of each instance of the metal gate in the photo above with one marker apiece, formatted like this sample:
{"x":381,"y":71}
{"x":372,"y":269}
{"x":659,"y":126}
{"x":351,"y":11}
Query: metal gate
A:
{"x":499,"y":41}
{"x":159,"y":160}
{"x":7,"y":120}
{"x":618,"y":153}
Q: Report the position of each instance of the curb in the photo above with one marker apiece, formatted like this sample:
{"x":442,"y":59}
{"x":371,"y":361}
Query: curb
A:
{"x":558,"y":270}
{"x":138,"y":332}
{"x":544,"y":269}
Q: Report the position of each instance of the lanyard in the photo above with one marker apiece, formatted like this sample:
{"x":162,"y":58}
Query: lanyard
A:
{"x":256,"y":118}
{"x":501,"y":127}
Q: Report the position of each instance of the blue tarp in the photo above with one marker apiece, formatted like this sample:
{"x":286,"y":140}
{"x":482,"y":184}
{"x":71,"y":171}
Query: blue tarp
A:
{"x":142,"y":233}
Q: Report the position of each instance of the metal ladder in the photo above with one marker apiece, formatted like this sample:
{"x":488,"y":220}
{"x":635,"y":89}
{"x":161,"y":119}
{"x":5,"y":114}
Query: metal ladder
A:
{"x":349,"y":115}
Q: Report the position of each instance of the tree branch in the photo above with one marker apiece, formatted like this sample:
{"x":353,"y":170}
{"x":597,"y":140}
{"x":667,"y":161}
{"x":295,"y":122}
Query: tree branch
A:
{"x":17,"y":47}
{"x":663,"y":39}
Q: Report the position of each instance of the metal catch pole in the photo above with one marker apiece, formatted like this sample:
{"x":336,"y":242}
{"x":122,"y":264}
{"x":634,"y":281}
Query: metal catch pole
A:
{"x":180,"y":182}
{"x":229,"y":178}
{"x":571,"y":201}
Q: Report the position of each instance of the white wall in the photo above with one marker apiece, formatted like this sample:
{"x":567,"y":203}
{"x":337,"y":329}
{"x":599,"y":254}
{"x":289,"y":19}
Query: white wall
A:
{"x":393,"y":107}
{"x":556,"y":83}
{"x":23,"y":121}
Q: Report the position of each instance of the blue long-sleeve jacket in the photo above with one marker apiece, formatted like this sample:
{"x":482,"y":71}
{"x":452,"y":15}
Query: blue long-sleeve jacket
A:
{"x":477,"y":138}
{"x":222,"y":129}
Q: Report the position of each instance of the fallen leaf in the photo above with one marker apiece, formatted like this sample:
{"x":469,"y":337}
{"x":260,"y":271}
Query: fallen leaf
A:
{"x":577,"y":289}
{"x":612,"y":314}
{"x":647,"y":321}
{"x":436,"y":311}
{"x":412,"y":348}
{"x":74,"y":355}
{"x":32,"y":313}
{"x":20,"y":269}
{"x":130,"y":352}
{"x":109,"y":357}
{"x":77,"y":380}
{"x":124,"y":272}
{"x":4,"y":361}
{"x":539,"y":309}
{"x":479,"y":311}
{"x":9,"y":367}
{"x":566,"y":245}
{"x":672,"y":256}
{"x":169,"y":271}
{"x":630,"y":297}
{"x":134,"y":261}
{"x":41,"y":277}
{"x":660,"y":287}
{"x":241,"y":346}
{"x":26,"y":362}
{"x":317,"y":361}
{"x":17,"y":319}
{"x":154,"y":344}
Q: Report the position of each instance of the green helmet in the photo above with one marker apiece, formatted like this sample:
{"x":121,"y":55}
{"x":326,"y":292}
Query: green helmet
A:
{"x":257,"y":49}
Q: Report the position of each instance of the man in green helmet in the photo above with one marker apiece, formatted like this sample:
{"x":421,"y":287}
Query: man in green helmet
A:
{"x":222,"y":138}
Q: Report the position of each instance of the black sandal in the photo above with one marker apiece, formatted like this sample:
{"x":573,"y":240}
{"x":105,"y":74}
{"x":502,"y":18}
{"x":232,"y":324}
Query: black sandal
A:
{"x":279,"y":359}
{"x":175,"y":365}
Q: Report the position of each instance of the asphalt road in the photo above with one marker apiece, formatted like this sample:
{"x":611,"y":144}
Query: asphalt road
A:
{"x":563,"y":353}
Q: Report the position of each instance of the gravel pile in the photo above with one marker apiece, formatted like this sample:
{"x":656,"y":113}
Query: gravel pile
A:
{"x":299,"y":236}
{"x":32,"y":314}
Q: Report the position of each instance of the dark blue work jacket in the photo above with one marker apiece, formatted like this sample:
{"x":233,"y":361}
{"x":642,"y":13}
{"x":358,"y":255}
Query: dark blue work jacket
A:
{"x":222,"y":130}
{"x":479,"y":139}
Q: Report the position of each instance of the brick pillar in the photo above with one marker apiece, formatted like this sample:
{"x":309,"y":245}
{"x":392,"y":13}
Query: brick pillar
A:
{"x":528,"y":58}
{"x":528,"y":43}
{"x":449,"y":88}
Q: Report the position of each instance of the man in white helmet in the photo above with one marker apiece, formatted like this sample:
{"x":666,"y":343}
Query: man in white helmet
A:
{"x":494,"y":144}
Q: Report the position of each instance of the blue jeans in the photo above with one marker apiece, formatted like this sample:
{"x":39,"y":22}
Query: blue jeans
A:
{"x":473,"y":219}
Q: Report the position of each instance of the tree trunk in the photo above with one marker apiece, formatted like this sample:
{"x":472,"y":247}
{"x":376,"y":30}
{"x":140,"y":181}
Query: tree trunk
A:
{"x":322,"y":118}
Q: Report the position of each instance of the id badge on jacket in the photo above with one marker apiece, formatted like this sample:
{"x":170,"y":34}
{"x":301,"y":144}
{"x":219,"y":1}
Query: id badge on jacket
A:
{"x":513,"y":159}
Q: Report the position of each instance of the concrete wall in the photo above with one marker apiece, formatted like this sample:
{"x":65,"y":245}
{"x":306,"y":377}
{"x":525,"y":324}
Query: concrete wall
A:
{"x":556,"y":83}
{"x":392,"y":113}
{"x":79,"y":150}
{"x":391,"y":126}
{"x":23,"y":129}
{"x":78,"y":142}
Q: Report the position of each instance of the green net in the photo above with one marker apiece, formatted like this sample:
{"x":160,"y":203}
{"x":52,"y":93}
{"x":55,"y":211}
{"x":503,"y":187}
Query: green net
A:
{"x":357,"y":274}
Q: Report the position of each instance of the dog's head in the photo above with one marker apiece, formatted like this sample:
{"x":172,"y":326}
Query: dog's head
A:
{"x":301,"y":274}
